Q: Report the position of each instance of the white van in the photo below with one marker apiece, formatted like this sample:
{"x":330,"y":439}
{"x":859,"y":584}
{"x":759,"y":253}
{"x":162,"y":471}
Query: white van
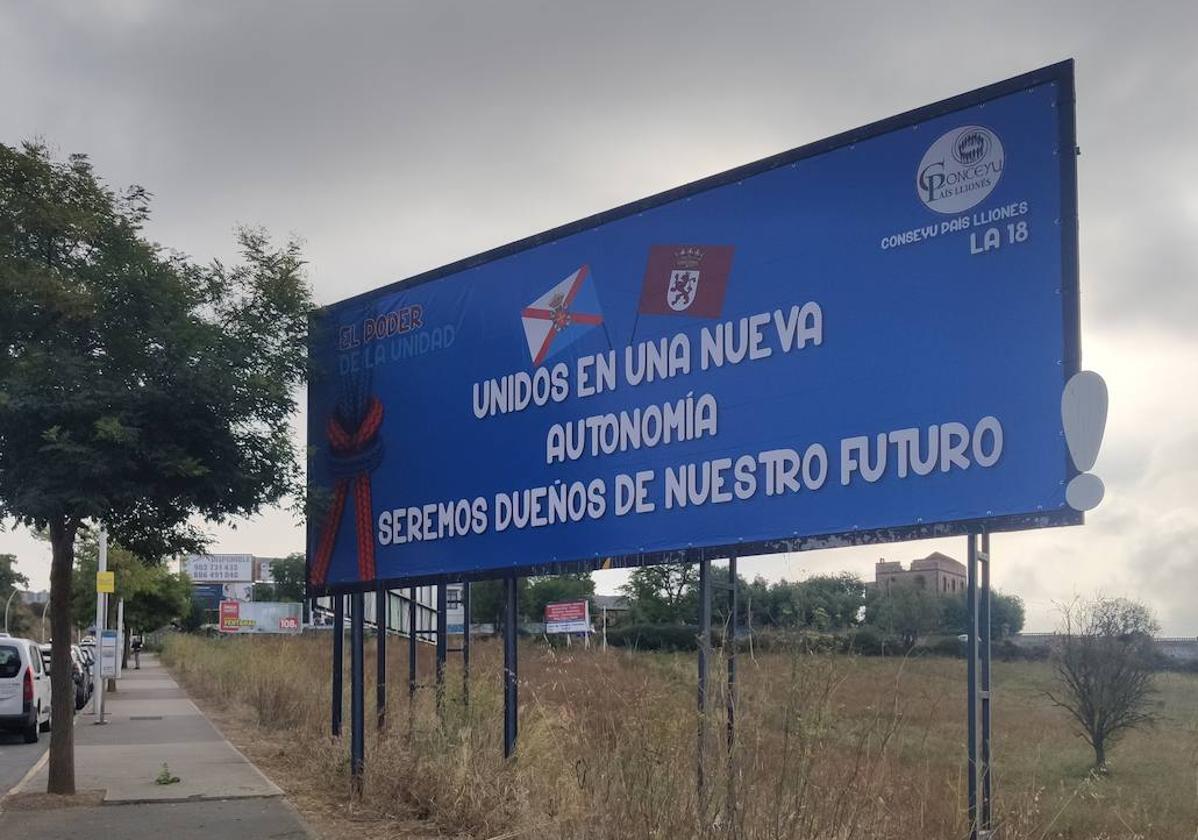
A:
{"x":24,"y":689}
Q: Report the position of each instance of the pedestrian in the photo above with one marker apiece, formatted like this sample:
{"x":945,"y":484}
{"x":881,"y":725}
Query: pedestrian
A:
{"x":135,"y":643}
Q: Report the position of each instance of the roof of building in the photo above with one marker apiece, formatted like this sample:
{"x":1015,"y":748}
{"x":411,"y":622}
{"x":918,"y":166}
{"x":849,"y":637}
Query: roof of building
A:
{"x":609,"y":602}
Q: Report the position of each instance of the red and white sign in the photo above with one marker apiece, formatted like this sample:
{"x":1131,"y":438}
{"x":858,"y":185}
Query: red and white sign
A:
{"x":259,"y":617}
{"x":568,"y":617}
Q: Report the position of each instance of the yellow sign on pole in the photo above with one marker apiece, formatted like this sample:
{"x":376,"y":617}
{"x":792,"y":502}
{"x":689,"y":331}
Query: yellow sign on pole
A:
{"x":106,"y":581}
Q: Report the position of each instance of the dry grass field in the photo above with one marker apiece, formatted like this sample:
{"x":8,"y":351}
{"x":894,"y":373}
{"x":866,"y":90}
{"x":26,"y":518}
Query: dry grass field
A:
{"x":829,"y":747}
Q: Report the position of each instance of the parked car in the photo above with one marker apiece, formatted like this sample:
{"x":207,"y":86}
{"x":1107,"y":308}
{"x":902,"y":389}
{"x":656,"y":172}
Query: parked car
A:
{"x":24,"y":689}
{"x":89,"y":682}
{"x":79,"y":673}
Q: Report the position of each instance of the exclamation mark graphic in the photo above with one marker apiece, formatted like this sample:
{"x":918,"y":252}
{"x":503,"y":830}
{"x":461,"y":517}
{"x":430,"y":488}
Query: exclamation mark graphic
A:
{"x":1083,"y":414}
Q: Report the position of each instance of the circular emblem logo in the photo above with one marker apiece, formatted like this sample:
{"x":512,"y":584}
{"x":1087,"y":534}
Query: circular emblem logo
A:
{"x":960,"y":169}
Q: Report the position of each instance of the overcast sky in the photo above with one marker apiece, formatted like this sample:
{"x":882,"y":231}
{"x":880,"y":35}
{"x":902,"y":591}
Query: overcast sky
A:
{"x":396,"y":137}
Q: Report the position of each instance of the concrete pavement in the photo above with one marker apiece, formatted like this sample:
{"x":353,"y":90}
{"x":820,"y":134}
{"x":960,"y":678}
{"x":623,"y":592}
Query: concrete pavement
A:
{"x":152,"y":723}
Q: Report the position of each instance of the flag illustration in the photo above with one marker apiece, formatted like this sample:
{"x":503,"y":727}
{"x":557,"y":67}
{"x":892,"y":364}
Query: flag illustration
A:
{"x":686,"y":280}
{"x":561,"y":316}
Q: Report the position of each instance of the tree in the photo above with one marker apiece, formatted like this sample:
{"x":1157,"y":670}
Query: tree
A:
{"x":905,"y":612}
{"x":1103,"y":660}
{"x":833,"y":601}
{"x":1006,"y":614}
{"x":487,"y":600}
{"x":662,"y":594}
{"x":10,"y":581}
{"x":289,"y":575}
{"x":137,"y":389}
{"x":553,"y":588}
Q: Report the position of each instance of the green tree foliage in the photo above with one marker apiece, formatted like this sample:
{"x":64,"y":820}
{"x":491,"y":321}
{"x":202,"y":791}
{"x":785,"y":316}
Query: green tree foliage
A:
{"x":153,"y":596}
{"x":137,"y":389}
{"x":20,"y":616}
{"x":487,"y":601}
{"x":663,"y":594}
{"x":1006,"y":614}
{"x":290,"y":576}
{"x":1104,"y":661}
{"x":10,"y":578}
{"x":551,"y":589}
{"x":905,"y":612}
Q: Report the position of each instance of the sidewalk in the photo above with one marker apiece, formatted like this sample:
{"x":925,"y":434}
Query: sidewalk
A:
{"x":150,"y":723}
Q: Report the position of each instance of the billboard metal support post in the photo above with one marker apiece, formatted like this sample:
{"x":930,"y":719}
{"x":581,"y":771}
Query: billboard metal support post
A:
{"x":510,"y":666}
{"x":442,"y":648}
{"x":971,"y":568}
{"x":466,"y":645}
{"x":984,"y":621}
{"x":411,"y":658}
{"x":357,"y":689}
{"x":338,"y":660}
{"x":704,"y":652}
{"x":381,"y":620}
{"x":730,"y":653}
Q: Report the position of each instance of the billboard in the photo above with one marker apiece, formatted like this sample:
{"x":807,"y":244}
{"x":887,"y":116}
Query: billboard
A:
{"x":861,"y":340}
{"x":208,"y":595}
{"x":455,"y":609}
{"x":218,"y":568}
{"x":260,"y":617}
{"x":568,"y":617}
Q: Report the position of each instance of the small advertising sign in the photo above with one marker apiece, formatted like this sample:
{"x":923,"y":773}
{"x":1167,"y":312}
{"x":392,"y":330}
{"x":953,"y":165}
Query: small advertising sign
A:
{"x":108,"y":651}
{"x":261,"y":617}
{"x":106,"y":582}
{"x":219,"y":568}
{"x":568,"y":617}
{"x":455,"y":613}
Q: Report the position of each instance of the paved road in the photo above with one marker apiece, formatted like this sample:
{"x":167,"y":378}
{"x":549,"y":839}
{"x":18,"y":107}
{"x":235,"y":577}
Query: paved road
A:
{"x":16,"y":757}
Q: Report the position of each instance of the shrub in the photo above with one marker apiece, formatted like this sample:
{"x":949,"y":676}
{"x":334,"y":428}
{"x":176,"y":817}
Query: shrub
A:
{"x":869,"y":641}
{"x":657,"y":636}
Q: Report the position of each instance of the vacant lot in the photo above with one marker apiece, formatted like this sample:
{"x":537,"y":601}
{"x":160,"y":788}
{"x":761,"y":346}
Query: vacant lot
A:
{"x":828,"y":746}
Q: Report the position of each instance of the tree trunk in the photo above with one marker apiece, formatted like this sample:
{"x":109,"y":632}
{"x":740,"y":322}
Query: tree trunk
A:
{"x":62,"y":685}
{"x":1100,"y":754}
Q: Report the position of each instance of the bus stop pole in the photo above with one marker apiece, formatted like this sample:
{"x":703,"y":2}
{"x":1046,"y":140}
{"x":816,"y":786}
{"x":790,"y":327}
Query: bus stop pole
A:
{"x":101,"y":615}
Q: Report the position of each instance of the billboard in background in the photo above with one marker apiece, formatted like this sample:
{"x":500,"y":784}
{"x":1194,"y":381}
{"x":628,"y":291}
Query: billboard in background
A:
{"x":455,"y":609}
{"x":208,"y":595}
{"x":218,"y":568}
{"x":260,"y":617}
{"x":240,"y":591}
{"x":861,"y":340}
{"x":568,"y":617}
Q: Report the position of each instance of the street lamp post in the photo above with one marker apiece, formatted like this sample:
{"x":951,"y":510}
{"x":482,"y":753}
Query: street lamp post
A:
{"x":7,"y":604}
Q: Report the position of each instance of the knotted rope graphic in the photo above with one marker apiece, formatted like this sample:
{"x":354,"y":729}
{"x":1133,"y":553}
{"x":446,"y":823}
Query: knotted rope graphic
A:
{"x":354,"y":456}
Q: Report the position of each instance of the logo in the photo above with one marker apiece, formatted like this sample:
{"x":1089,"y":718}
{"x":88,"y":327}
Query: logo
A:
{"x":960,"y":169}
{"x":561,"y":315}
{"x":686,"y":280}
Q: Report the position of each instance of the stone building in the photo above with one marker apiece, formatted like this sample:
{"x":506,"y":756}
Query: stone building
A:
{"x":937,"y":573}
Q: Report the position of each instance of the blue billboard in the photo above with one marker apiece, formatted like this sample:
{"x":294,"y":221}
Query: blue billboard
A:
{"x":861,"y":340}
